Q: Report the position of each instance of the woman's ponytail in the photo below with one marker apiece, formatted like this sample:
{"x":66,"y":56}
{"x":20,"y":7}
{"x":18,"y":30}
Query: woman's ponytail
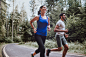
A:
{"x":39,"y":12}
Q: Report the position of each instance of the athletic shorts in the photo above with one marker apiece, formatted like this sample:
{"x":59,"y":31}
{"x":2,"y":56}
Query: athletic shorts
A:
{"x":61,"y":40}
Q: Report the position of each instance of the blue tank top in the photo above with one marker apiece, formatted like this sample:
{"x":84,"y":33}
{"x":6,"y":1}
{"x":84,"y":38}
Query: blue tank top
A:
{"x":42,"y":26}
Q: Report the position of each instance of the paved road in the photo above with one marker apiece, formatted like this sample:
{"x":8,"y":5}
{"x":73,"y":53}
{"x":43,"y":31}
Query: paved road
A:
{"x":13,"y":50}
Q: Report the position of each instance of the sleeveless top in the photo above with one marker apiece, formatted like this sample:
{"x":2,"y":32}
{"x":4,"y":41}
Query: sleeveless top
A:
{"x":42,"y":26}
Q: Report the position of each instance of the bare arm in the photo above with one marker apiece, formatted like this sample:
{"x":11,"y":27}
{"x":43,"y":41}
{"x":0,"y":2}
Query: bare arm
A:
{"x":56,"y":29}
{"x":48,"y":21}
{"x":49,"y":24}
{"x":34,"y":19}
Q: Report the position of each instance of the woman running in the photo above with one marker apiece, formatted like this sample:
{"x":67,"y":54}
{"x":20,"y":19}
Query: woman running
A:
{"x":41,"y":32}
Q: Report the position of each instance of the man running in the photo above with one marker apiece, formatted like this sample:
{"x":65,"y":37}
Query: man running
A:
{"x":60,"y":32}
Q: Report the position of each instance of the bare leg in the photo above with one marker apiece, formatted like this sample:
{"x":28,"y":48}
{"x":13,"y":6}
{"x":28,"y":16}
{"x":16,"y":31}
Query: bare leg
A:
{"x":57,"y":49}
{"x":65,"y":50}
{"x":34,"y":53}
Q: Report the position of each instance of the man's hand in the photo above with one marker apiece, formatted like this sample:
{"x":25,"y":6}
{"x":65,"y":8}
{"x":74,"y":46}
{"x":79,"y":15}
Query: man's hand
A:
{"x":66,"y":30}
{"x":49,"y":29}
{"x":66,"y":35}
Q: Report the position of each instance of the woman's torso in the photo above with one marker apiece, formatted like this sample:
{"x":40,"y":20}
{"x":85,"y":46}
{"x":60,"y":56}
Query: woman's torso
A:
{"x":42,"y":26}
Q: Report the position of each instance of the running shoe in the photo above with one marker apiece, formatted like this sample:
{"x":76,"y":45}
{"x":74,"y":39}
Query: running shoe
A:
{"x":47,"y":52}
{"x":32,"y":54}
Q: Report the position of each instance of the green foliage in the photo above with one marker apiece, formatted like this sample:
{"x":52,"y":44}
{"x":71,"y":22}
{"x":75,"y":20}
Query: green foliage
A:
{"x":83,"y":16}
{"x":1,"y":46}
{"x":3,"y":30}
{"x":2,"y":39}
{"x":85,"y":8}
{"x":2,"y":33}
{"x":32,"y":44}
{"x":21,"y":43}
{"x":50,"y":44}
{"x":17,"y":39}
{"x":75,"y":22}
{"x":33,"y":6}
{"x":50,"y":5}
{"x":51,"y":34}
{"x":28,"y":34}
{"x":54,"y":16}
{"x":73,"y":11}
{"x":73,"y":3}
{"x":77,"y":28}
{"x":8,"y":40}
{"x":76,"y":47}
{"x":84,"y":46}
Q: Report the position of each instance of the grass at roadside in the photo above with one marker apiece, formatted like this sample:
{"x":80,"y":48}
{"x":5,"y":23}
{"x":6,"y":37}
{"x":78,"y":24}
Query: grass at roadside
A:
{"x":74,"y":47}
{"x":1,"y":46}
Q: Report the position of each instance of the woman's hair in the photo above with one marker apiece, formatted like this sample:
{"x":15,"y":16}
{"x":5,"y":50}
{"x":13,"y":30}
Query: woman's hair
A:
{"x":61,"y":14}
{"x":39,"y":12}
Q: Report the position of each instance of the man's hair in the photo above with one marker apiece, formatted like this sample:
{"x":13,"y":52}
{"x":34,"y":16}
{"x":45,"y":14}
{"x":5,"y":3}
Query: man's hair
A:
{"x":61,"y":14}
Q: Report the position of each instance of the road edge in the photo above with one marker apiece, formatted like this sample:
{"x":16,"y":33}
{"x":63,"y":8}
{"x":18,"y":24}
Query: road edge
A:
{"x":4,"y":54}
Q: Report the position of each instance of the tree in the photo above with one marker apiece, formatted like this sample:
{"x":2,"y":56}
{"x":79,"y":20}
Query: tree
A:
{"x":3,"y":9}
{"x":12,"y":20}
{"x":54,"y":16}
{"x":85,"y":8}
{"x":76,"y":27}
{"x":73,"y":10}
{"x":23,"y":15}
{"x":73,"y":3}
{"x":50,"y":5}
{"x":16,"y":21}
{"x":33,"y":7}
{"x":40,"y":1}
{"x":28,"y":34}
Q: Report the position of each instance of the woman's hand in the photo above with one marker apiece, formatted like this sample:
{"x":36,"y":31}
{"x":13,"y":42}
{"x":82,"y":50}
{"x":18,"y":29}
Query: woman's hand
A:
{"x":34,"y":30}
{"x":49,"y":29}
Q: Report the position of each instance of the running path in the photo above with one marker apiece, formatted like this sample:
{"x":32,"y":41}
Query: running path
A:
{"x":14,"y":50}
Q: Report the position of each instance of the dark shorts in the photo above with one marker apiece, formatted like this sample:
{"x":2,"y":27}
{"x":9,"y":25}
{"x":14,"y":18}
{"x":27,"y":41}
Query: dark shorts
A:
{"x":61,"y":40}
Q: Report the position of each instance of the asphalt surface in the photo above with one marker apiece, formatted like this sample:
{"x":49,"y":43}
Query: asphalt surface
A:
{"x":14,"y":50}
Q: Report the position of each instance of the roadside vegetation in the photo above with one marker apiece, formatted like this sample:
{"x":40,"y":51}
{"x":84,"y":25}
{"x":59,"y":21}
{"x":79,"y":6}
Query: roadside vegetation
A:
{"x":74,"y":47}
{"x":23,"y":34}
{"x":1,"y":46}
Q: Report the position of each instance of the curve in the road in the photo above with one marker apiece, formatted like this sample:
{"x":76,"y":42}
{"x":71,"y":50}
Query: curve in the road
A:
{"x":13,"y":50}
{"x":4,"y":54}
